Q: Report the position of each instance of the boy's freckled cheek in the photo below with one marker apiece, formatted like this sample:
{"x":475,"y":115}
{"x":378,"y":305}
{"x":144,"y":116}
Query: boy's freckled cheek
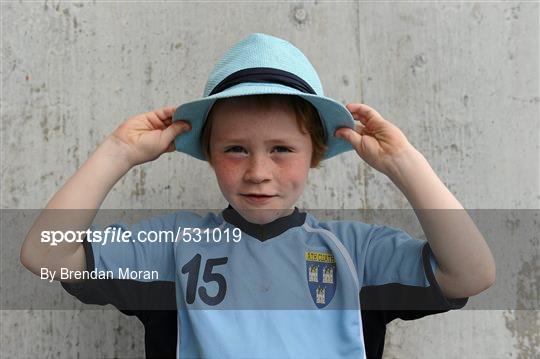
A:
{"x":296,"y":176}
{"x":296,"y":166}
{"x":226,"y":170}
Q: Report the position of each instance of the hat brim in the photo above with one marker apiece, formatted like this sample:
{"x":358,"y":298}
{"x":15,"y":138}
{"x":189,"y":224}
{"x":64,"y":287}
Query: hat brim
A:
{"x":333,"y":115}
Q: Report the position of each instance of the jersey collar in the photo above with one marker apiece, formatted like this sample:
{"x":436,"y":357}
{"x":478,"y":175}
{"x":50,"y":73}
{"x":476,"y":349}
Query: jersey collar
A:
{"x":264,"y":231}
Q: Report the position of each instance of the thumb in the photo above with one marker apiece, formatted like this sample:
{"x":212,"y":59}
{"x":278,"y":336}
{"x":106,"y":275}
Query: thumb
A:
{"x":170,"y":133}
{"x":349,"y":135}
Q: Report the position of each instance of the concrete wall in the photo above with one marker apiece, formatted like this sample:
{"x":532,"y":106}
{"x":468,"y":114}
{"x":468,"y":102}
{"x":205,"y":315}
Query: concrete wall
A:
{"x":460,"y":80}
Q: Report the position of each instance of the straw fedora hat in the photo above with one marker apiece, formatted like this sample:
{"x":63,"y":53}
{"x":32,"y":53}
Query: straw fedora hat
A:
{"x":263,"y":64}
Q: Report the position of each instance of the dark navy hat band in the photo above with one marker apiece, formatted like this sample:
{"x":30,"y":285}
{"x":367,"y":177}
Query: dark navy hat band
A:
{"x":263,"y":74}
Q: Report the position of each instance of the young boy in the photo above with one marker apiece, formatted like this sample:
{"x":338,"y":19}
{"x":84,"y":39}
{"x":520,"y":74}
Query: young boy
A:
{"x":262,"y":279}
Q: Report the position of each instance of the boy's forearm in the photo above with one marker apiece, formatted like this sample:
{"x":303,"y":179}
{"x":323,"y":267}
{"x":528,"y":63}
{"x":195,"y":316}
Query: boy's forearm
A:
{"x":89,"y":186}
{"x":413,"y":175}
{"x":466,"y":266}
{"x":73,"y":208}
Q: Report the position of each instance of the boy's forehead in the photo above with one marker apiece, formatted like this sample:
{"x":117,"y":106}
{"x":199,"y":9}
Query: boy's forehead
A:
{"x":266,"y":128}
{"x":248,"y":115}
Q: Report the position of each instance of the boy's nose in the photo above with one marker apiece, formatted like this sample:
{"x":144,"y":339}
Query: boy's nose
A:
{"x":259,"y":170}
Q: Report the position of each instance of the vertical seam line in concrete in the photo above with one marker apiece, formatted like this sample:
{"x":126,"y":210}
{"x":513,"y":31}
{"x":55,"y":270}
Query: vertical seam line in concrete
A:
{"x":358,"y":47}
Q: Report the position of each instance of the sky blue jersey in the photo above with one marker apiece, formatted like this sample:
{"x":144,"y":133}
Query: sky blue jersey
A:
{"x":285,"y":289}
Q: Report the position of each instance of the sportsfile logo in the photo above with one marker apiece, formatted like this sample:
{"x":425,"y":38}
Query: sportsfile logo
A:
{"x":118,"y":234}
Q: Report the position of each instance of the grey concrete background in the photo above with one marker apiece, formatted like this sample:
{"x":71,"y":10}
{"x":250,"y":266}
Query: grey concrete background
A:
{"x":460,"y":79}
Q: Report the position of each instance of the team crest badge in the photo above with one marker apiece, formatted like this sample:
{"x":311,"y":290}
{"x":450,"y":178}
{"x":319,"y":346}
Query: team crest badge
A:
{"x":321,"y":276}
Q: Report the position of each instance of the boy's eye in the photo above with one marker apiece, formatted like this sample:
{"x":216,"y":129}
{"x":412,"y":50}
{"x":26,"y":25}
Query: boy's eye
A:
{"x":235,"y":149}
{"x":238,"y":149}
{"x":282,"y":149}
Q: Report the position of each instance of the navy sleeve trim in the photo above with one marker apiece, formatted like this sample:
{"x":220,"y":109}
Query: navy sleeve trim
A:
{"x":89,"y":255}
{"x":409,"y":302}
{"x":384,"y":303}
{"x":129,"y":296}
{"x":126,"y":295}
{"x":75,"y":288}
{"x":450,"y":303}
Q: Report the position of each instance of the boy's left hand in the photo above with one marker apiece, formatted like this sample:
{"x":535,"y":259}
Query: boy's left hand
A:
{"x":376,"y":140}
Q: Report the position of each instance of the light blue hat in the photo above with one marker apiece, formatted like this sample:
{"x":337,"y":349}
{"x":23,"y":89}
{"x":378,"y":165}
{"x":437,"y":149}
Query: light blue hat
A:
{"x":263,"y":64}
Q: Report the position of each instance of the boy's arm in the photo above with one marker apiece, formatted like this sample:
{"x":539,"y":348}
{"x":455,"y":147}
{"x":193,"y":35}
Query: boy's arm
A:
{"x":140,"y":139}
{"x":73,"y":208}
{"x":465,"y":264}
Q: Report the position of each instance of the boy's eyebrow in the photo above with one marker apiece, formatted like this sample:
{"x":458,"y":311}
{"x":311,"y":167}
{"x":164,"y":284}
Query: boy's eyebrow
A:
{"x":276,"y":140}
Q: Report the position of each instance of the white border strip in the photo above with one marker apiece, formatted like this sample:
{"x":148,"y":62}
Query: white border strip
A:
{"x":352,"y":269}
{"x":341,"y":248}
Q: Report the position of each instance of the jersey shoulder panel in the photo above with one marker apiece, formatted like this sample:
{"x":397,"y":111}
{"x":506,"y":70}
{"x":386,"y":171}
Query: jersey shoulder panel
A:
{"x":354,"y":235}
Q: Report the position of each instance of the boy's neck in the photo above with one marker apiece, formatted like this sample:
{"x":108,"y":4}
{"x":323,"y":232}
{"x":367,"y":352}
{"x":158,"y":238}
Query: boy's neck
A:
{"x":264,"y":231}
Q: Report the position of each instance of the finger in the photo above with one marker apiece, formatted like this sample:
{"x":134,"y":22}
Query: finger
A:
{"x":165,"y":113}
{"x":169,"y":111}
{"x":351,"y":136}
{"x":156,"y":122}
{"x":167,"y":121}
{"x":358,"y":127}
{"x":177,"y":128}
{"x":364,"y":113}
{"x":352,"y":107}
{"x":171,"y":147}
{"x":160,"y":114}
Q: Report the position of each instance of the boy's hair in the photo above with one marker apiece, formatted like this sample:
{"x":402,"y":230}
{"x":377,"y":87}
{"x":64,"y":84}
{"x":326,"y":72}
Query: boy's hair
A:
{"x":307,"y":119}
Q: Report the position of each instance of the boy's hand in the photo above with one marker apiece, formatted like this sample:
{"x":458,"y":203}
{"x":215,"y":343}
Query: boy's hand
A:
{"x":147,"y":136}
{"x":377,"y":141}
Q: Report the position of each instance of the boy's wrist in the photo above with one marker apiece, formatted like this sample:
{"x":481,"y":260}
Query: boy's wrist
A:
{"x":406,"y":165}
{"x":413,"y":175}
{"x":403,"y":160}
{"x":115,"y":153}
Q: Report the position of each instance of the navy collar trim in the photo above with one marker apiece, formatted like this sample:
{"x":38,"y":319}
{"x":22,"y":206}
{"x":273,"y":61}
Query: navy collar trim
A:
{"x":264,"y":231}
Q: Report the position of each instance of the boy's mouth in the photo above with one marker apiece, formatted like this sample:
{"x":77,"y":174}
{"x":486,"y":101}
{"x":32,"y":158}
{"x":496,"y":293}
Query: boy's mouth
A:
{"x":257,"y":197}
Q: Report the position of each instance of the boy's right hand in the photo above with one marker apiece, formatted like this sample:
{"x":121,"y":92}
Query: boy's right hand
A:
{"x":147,"y":136}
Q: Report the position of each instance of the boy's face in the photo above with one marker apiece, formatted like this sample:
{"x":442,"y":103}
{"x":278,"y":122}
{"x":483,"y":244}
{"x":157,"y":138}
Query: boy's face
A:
{"x":260,"y":157}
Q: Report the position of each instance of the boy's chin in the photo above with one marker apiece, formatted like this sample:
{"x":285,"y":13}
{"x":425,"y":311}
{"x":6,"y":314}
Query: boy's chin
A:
{"x":263,"y":215}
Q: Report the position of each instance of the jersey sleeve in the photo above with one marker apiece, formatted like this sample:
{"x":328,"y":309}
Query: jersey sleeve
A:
{"x":131,"y":297}
{"x":391,"y":255}
{"x":139,"y":251}
{"x":399,"y":275}
{"x":398,"y":282}
{"x":130,"y":294}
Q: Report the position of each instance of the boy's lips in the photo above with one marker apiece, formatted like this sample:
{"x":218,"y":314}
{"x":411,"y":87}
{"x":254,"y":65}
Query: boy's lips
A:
{"x":257,"y":198}
{"x":258,"y":194}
